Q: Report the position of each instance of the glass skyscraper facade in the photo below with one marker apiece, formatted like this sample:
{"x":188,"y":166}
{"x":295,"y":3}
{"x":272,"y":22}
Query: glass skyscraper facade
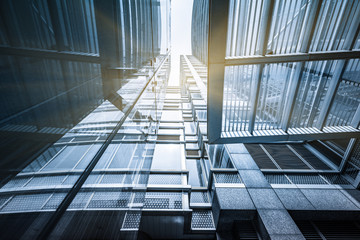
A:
{"x":258,"y":141}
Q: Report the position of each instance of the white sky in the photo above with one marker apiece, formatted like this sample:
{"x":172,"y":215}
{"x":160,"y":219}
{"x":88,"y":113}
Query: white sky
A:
{"x":181,"y":14}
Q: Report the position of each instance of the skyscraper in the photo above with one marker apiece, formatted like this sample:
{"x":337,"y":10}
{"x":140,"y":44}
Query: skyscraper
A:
{"x":258,"y":141}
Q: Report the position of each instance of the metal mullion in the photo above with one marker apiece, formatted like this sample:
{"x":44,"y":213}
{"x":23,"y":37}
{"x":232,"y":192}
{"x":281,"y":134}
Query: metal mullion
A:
{"x":232,"y":105}
{"x":329,"y":25}
{"x":265,"y":98}
{"x":247,"y":94}
{"x":236,"y":96}
{"x":328,"y":21}
{"x":290,"y":39}
{"x":275,"y":103}
{"x":254,"y":97}
{"x":246,"y":32}
{"x":272,"y":95}
{"x":349,"y":17}
{"x":275,"y":25}
{"x":241,"y":94}
{"x":278,"y":30}
{"x":285,"y":27}
{"x":233,"y":31}
{"x":337,"y":29}
{"x":226,"y":83}
{"x":259,"y":28}
{"x":253,"y":30}
{"x":283,"y":93}
{"x":242,"y":16}
{"x":320,"y":26}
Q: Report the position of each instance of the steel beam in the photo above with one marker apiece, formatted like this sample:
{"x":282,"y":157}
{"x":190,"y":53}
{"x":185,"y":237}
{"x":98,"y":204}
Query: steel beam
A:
{"x":218,"y":21}
{"x":356,"y":119}
{"x":293,"y":57}
{"x":50,"y":54}
{"x":347,"y":154}
{"x":263,"y":40}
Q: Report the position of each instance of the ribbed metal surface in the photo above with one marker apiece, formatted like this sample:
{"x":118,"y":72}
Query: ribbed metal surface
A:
{"x":202,"y":220}
{"x":306,"y":178}
{"x":308,"y":230}
{"x":335,"y":179}
{"x":227,"y":178}
{"x":276,"y":178}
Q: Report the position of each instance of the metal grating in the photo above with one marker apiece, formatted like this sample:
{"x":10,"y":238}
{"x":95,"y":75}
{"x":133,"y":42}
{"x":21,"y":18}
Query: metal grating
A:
{"x":227,"y":178}
{"x":199,"y":197}
{"x":276,"y":178}
{"x":174,"y":179}
{"x":335,"y":179}
{"x":131,"y":220}
{"x":162,"y":200}
{"x":109,"y":200}
{"x":306,"y":179}
{"x":202,"y":220}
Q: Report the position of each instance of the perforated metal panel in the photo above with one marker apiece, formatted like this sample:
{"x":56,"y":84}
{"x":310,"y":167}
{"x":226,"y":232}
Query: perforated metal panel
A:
{"x":3,"y":199}
{"x":80,"y":200}
{"x":274,"y":178}
{"x":131,"y":221}
{"x":202,"y":220}
{"x":113,"y":178}
{"x":16,"y":182}
{"x":71,"y":179}
{"x":199,"y":197}
{"x":174,"y":179}
{"x":139,"y":197}
{"x":306,"y":178}
{"x":54,"y":201}
{"x":227,"y":178}
{"x":46,"y":181}
{"x":163,"y":200}
{"x":28,"y":202}
{"x":109,"y":200}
